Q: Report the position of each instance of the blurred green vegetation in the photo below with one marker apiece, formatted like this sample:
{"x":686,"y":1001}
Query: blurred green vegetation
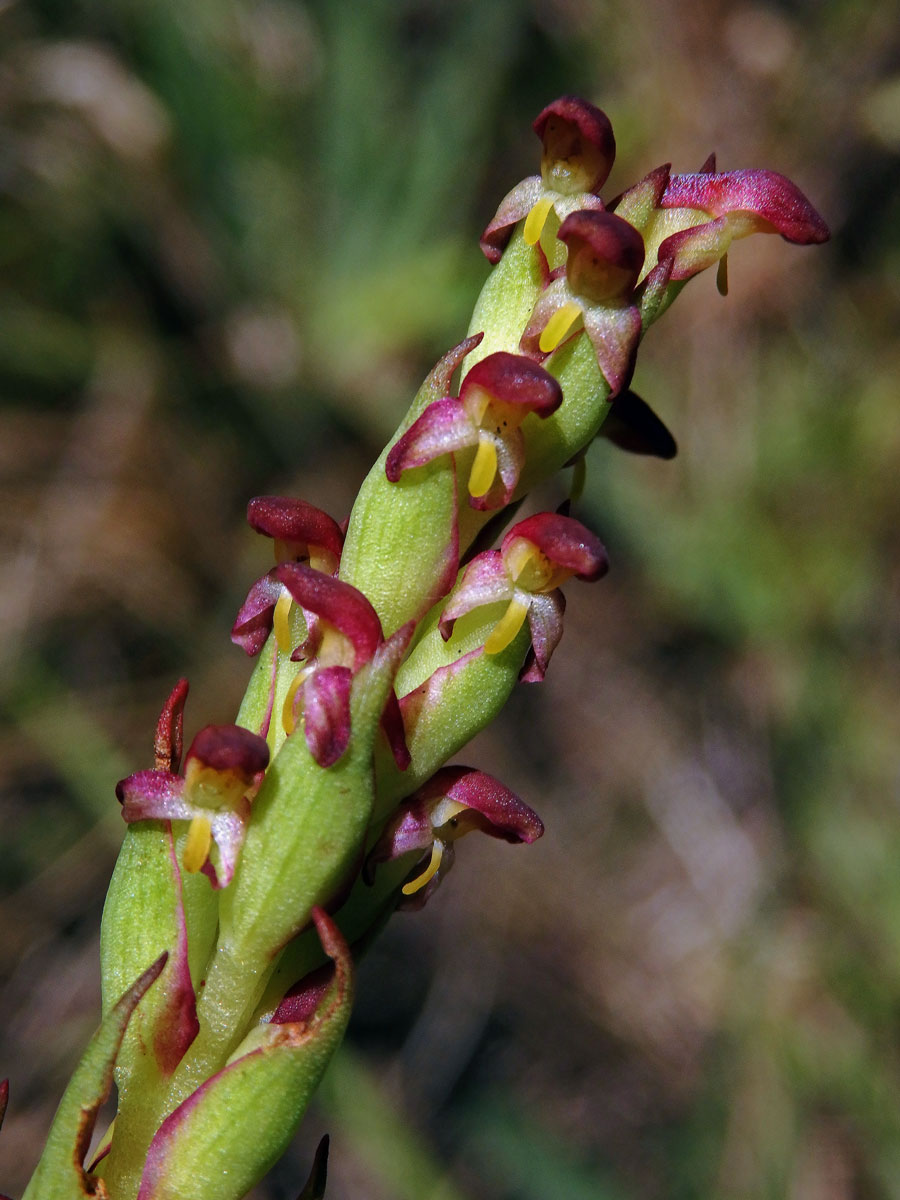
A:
{"x":233,"y":238}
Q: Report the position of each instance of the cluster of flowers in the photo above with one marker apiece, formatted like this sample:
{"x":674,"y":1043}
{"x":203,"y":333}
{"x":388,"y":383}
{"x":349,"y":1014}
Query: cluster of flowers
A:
{"x":382,"y":647}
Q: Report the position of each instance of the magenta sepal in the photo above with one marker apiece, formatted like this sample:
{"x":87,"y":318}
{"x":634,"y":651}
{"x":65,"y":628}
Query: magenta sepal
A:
{"x":444,"y":426}
{"x":338,"y":603}
{"x":545,"y":623}
{"x":565,"y":542}
{"x":326,"y":700}
{"x":514,"y":207}
{"x":484,"y":581}
{"x":768,"y":197}
{"x":715,"y":209}
{"x":296,"y":524}
{"x":578,"y":153}
{"x":253,"y":623}
{"x":268,"y":1083}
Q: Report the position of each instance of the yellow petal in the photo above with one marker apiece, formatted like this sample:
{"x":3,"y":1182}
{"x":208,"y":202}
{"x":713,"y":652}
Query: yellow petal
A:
{"x":196,"y":848}
{"x":506,"y":628}
{"x":536,"y":219}
{"x":559,"y":326}
{"x":484,"y":468}
{"x":415,"y":885}
{"x":281,"y":622}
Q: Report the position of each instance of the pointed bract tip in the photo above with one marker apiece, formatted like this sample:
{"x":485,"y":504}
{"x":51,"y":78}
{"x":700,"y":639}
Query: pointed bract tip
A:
{"x":169,"y":740}
{"x":314,"y":1188}
{"x":517,"y":380}
{"x":632,"y":425}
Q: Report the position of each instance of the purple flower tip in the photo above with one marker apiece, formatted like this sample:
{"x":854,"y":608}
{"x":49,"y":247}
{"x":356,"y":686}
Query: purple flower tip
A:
{"x":516,"y":380}
{"x":297,"y":525}
{"x":777,"y":204}
{"x":564,"y":542}
{"x":230,"y":748}
{"x":605,"y":256}
{"x":503,"y":814}
{"x":579,"y":146}
{"x":336,"y":602}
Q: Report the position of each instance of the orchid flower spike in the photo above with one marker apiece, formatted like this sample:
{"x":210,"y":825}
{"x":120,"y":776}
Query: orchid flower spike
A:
{"x":301,"y":533}
{"x":223,"y":770}
{"x":536,"y":556}
{"x":578,"y":153}
{"x":347,"y":634}
{"x":595,"y":294}
{"x":495,"y":398}
{"x":455,"y":801}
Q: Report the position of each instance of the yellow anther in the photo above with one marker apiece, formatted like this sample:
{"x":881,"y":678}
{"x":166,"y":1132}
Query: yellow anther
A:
{"x":722,"y":276}
{"x":288,"y":717}
{"x":196,"y":848}
{"x":536,"y":220}
{"x":281,"y":621}
{"x":415,"y":885}
{"x":559,"y":326}
{"x":484,"y":468}
{"x":506,"y":628}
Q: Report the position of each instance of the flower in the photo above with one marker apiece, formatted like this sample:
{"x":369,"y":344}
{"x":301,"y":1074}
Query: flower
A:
{"x":691,"y":220}
{"x":603,"y":265}
{"x":535,"y":557}
{"x":222,"y":769}
{"x":579,"y":151}
{"x":346,"y":636}
{"x":495,"y":397}
{"x":454,"y":802}
{"x":302,"y":533}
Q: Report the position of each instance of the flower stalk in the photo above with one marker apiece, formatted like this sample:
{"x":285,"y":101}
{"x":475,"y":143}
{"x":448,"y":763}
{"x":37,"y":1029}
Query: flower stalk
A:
{"x":257,"y":865}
